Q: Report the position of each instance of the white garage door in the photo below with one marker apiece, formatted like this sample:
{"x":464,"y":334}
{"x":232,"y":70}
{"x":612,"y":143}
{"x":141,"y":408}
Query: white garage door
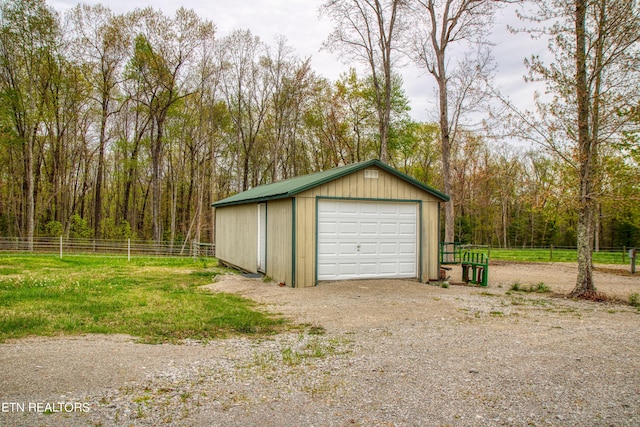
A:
{"x":358,"y":239}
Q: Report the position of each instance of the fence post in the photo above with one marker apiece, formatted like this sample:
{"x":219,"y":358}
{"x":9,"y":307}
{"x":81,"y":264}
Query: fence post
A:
{"x":551,"y":257}
{"x":195,"y":249}
{"x":60,"y":246}
{"x":624,"y":253}
{"x":129,"y":249}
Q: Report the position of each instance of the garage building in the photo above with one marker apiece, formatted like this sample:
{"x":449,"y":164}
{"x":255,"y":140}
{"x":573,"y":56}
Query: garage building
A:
{"x":360,"y":221}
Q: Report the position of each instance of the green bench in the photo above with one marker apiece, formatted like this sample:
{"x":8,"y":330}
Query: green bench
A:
{"x":475,"y":268}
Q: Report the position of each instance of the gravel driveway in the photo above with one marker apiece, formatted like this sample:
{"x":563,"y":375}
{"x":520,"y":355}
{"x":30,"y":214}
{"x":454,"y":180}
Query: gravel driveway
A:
{"x":370,"y":353}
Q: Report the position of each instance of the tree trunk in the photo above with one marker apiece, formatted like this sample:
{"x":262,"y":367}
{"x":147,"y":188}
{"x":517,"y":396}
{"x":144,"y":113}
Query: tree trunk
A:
{"x":584,"y":282}
{"x":97,"y":212}
{"x":449,"y":211}
{"x":213,"y":188}
{"x":30,"y":196}
{"x":155,"y":185}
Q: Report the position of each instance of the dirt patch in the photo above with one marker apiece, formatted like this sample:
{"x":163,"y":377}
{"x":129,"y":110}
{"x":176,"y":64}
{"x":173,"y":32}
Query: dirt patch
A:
{"x":610,"y":280}
{"x":374,"y":352}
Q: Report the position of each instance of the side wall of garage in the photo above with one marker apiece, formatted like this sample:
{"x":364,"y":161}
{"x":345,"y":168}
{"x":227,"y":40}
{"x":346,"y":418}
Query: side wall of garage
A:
{"x":364,"y":185}
{"x":279,"y":246}
{"x":237,"y":235}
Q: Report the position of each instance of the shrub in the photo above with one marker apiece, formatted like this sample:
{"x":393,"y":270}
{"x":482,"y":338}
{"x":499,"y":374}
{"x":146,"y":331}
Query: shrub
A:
{"x":53,"y":228}
{"x":634,"y":300}
{"x":112,"y":231}
{"x":79,"y":228}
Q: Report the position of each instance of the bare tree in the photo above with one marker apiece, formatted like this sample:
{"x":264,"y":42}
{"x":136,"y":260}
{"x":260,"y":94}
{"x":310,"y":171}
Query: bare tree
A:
{"x":164,"y":51}
{"x":247,"y":88}
{"x":368,"y":31}
{"x":441,"y":26}
{"x":100,"y":40}
{"x":290,"y":78}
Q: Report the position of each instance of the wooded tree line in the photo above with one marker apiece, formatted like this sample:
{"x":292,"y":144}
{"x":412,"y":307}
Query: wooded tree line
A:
{"x":115,"y":126}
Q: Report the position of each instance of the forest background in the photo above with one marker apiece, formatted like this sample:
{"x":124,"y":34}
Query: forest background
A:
{"x":115,"y":126}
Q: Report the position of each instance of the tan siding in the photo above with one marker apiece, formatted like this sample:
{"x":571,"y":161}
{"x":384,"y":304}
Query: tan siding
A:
{"x":305,"y":241}
{"x":279,"y":265}
{"x":237,"y":235}
{"x":386,"y":186}
{"x":434,"y":224}
{"x":431,"y":245}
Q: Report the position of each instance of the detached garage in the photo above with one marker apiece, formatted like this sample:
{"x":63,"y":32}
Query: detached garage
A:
{"x":364,"y":220}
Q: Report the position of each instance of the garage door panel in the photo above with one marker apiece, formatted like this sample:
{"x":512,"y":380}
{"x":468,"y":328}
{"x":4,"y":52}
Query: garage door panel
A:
{"x":326,"y":269}
{"x":388,"y":248}
{"x":389,"y":228}
{"x":363,"y":239}
{"x":388,"y":267}
{"x":348,"y":268}
{"x":348,"y":228}
{"x":369,"y":228}
{"x":407,"y":229}
{"x":328,"y":207}
{"x":369,"y":249}
{"x":325,"y":227}
{"x":368,"y":268}
{"x":367,"y":208}
{"x":347,"y":249}
{"x":406,"y":268}
{"x":327,"y":247}
{"x":346,"y":208}
{"x":407,"y":209}
{"x":406,"y":248}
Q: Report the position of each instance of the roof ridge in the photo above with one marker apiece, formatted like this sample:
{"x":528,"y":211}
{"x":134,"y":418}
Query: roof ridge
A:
{"x":292,"y":186}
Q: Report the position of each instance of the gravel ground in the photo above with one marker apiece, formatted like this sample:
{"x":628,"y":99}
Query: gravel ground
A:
{"x":396,"y":353}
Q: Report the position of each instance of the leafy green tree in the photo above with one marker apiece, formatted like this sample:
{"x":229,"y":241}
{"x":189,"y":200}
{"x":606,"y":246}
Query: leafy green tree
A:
{"x":29,"y":37}
{"x":593,"y":78}
{"x":368,"y":31}
{"x":416,"y":150}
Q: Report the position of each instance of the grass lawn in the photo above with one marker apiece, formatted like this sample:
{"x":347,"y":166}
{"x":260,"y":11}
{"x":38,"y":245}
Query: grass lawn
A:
{"x":155,"y":299}
{"x":558,"y":255}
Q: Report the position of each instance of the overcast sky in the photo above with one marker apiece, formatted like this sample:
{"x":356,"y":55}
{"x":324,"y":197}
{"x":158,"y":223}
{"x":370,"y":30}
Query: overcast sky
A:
{"x":299,"y":22}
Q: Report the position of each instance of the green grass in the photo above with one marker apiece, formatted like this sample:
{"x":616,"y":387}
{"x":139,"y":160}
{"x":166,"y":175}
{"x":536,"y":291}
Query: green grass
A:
{"x":155,"y":299}
{"x":559,"y":255}
{"x":540,"y":288}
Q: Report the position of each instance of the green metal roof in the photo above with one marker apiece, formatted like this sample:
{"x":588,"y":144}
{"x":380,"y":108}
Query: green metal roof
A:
{"x":291,"y":187}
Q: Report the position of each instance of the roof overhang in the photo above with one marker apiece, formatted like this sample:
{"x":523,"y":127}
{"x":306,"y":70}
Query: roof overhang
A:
{"x":290,"y":187}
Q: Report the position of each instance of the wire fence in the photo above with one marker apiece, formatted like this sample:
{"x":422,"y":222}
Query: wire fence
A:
{"x":62,"y":246}
{"x":451,"y":253}
{"x":129,"y":248}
